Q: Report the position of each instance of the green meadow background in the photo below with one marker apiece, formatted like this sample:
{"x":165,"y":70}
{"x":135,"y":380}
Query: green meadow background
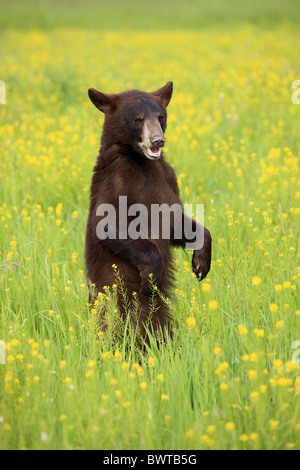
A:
{"x":230,"y":377}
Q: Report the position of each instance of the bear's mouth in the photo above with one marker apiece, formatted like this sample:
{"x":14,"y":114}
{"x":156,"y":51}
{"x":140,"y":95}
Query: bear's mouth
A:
{"x":153,"y":152}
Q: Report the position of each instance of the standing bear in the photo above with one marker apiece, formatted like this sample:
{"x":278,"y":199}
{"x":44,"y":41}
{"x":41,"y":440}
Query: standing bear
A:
{"x":132,"y":177}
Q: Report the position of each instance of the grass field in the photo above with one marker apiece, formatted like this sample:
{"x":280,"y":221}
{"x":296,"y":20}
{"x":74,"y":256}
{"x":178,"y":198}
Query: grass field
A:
{"x":230,"y":377}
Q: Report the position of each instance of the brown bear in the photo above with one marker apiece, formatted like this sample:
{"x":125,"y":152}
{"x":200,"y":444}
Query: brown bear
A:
{"x":131,"y":176}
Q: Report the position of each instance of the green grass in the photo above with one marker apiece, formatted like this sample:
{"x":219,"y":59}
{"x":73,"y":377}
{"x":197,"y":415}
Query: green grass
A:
{"x":233,"y":139}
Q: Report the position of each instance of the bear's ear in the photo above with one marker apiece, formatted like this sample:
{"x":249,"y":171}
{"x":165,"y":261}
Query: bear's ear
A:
{"x":102,"y":101}
{"x":164,"y":93}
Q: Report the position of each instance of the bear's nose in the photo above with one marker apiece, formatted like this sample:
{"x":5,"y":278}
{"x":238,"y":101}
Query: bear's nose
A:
{"x":158,"y":141}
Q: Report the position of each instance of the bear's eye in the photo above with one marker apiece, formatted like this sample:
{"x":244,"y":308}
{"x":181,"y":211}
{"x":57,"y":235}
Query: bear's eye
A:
{"x":161,"y":118}
{"x":139,"y":120}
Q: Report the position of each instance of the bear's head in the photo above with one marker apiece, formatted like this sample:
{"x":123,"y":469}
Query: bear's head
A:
{"x":134,"y":120}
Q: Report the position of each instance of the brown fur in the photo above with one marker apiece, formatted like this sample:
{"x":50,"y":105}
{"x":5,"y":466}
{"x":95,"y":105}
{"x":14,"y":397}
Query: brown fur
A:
{"x":122,"y":169}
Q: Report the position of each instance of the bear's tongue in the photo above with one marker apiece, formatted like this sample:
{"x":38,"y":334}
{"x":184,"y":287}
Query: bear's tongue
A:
{"x":154,"y":152}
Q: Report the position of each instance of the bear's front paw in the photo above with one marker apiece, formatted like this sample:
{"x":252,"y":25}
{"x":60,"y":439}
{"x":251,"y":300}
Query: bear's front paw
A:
{"x":145,"y":289}
{"x":200,"y":264}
